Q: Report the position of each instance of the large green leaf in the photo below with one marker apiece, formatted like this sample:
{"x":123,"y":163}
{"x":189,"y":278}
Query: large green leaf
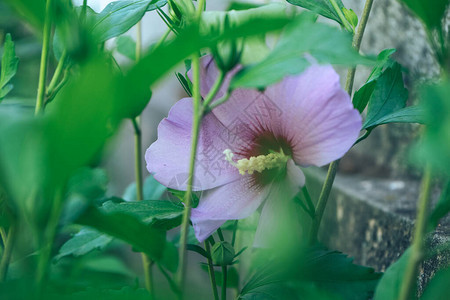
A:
{"x":128,"y":228}
{"x":362,"y":96}
{"x":85,"y":241}
{"x":391,"y":282}
{"x":389,"y":96}
{"x":335,"y":272}
{"x":314,"y":269}
{"x":9,"y":66}
{"x":430,"y":12}
{"x":438,"y":287}
{"x":119,"y":16}
{"x":158,"y":213}
{"x":322,"y":7}
{"x":410,"y":114}
{"x":325,"y":43}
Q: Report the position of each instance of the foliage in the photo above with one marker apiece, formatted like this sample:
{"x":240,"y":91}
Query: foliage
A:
{"x":73,"y":233}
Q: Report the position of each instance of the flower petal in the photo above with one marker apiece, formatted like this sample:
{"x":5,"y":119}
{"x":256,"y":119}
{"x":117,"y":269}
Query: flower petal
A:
{"x":317,"y":116}
{"x":280,"y":214}
{"x":235,"y":200}
{"x":168,"y":158}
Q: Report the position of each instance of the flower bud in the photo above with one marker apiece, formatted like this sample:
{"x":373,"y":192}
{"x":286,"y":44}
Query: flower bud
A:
{"x":222,"y":253}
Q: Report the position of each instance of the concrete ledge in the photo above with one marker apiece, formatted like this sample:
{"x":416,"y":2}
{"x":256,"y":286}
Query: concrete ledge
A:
{"x":373,"y":221}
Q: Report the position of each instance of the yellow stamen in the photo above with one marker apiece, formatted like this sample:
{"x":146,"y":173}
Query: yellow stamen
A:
{"x":257,"y":163}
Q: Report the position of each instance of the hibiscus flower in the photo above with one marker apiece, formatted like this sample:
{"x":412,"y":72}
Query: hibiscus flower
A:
{"x":250,"y":148}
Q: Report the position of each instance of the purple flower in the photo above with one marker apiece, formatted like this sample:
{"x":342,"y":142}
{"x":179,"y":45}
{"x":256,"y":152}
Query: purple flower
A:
{"x":251,"y":146}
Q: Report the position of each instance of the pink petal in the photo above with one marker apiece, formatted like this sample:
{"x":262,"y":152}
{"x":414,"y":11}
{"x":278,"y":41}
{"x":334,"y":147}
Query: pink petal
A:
{"x":309,"y":110}
{"x":280,"y":214}
{"x":317,"y":116}
{"x":235,"y":200}
{"x":168,"y":158}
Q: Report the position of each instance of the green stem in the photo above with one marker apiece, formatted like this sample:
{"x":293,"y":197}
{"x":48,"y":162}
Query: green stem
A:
{"x":308,"y":199}
{"x":357,"y":39}
{"x":3,"y":235}
{"x":54,"y":82}
{"x":212,"y":276}
{"x":147,"y":263}
{"x":418,"y":246}
{"x":138,"y":41}
{"x":49,"y":237}
{"x":7,"y":253}
{"x":220,"y":234}
{"x":343,"y":19}
{"x":233,"y":238}
{"x":137,"y":158}
{"x":214,"y":89}
{"x":188,"y":195}
{"x":332,"y":169}
{"x":363,"y":137}
{"x":322,"y":202}
{"x":224,"y":282}
{"x":163,"y":38}
{"x":44,"y":58}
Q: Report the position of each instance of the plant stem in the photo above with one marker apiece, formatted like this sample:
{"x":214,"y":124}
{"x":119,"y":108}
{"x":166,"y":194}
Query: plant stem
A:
{"x":54,"y":82}
{"x":235,"y":228}
{"x":44,"y":58}
{"x":147,"y":263}
{"x":418,"y":246}
{"x":212,"y":276}
{"x":224,"y":282}
{"x":220,"y":234}
{"x":214,"y":89}
{"x":322,"y":202}
{"x":188,"y":195}
{"x":338,"y":10}
{"x":138,"y":41}
{"x":49,"y":236}
{"x":332,"y":169}
{"x":357,"y":39}
{"x":7,"y":253}
{"x":137,"y":158}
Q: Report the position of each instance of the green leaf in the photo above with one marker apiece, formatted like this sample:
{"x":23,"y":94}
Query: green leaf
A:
{"x":435,"y":146}
{"x":119,"y":16}
{"x":108,"y":264}
{"x":128,"y":228}
{"x":85,"y":241}
{"x":442,"y":207}
{"x":390,"y":284}
{"x":126,"y":46}
{"x":170,"y":257}
{"x":429,"y":12}
{"x":362,"y":96}
{"x":325,"y":43}
{"x":157,"y":213}
{"x":437,"y":289}
{"x":410,"y":114}
{"x":8,"y":66}
{"x":153,"y":190}
{"x":334,"y":272}
{"x":321,"y":7}
{"x":315,"y":273}
{"x":389,"y":96}
{"x":351,"y":17}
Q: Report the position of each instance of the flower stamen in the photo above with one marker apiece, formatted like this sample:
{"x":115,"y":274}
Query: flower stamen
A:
{"x":257,"y":163}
